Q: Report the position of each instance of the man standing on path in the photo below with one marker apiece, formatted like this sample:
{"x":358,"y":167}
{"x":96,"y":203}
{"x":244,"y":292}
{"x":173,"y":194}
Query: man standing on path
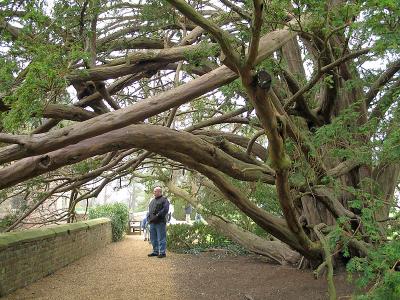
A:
{"x":158,"y":210}
{"x":188,"y":211}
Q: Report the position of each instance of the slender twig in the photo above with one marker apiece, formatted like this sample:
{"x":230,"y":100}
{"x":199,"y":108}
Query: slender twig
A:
{"x":253,"y":140}
{"x":237,"y":9}
{"x":323,"y":70}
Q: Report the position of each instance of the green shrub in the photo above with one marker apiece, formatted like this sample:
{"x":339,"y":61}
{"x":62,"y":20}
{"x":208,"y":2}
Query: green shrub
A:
{"x":7,"y":221}
{"x":197,"y":237}
{"x":119,"y":215}
{"x":378,"y":272}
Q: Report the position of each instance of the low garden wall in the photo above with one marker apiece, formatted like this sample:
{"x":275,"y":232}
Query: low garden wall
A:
{"x":29,"y":255}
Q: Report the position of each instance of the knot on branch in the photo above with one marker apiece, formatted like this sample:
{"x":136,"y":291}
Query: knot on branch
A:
{"x":45,"y":161}
{"x":281,"y":126}
{"x":84,"y":89}
{"x":263,"y":80}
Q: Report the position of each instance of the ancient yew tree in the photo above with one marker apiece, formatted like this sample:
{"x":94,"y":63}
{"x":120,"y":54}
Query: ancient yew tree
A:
{"x":297,"y":98}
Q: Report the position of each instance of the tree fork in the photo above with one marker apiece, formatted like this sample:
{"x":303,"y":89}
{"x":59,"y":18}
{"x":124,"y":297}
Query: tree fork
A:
{"x":274,"y":124}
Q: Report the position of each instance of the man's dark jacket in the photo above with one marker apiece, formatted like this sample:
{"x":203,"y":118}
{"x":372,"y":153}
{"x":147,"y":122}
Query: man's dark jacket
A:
{"x":158,"y":210}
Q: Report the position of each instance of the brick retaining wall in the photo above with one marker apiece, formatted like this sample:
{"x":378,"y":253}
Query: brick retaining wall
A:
{"x":29,"y":255}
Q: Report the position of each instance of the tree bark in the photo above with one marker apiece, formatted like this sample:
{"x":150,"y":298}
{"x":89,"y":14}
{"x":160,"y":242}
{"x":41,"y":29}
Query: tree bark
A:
{"x":162,"y":141}
{"x":138,"y":112}
{"x":275,"y":250}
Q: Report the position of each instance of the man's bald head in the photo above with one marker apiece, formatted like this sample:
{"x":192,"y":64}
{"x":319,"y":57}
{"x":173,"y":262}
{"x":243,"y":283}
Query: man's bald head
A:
{"x":157,"y":191}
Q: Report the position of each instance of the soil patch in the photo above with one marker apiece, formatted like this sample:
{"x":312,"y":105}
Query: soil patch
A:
{"x":123,"y":271}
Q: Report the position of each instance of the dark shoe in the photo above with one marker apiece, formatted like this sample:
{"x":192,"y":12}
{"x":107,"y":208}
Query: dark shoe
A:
{"x":152,"y":254}
{"x":162,"y":255}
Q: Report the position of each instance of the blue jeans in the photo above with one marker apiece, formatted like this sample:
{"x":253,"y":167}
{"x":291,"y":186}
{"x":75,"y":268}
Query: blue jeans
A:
{"x":158,"y":237}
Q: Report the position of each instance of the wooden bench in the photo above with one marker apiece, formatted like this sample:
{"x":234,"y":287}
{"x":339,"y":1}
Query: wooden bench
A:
{"x":134,"y":226}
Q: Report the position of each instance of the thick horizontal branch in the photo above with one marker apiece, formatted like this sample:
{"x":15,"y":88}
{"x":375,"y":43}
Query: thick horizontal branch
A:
{"x":56,"y":139}
{"x":242,"y":141}
{"x":156,"y":139}
{"x":138,"y":62}
{"x":342,"y":168}
{"x":275,"y":250}
{"x":73,"y":113}
{"x":132,"y":43}
{"x":162,"y":55}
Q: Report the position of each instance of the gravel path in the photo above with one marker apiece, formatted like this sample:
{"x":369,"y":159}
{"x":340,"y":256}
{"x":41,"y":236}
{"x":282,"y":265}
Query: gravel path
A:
{"x":123,"y":271}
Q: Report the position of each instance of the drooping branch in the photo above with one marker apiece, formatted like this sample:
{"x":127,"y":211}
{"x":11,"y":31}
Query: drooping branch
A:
{"x":140,"y":111}
{"x":381,"y":81}
{"x":274,"y":125}
{"x":242,"y":141}
{"x":275,"y":250}
{"x":73,"y":113}
{"x":276,"y":226}
{"x":386,"y":100}
{"x":135,"y":136}
{"x":115,"y":174}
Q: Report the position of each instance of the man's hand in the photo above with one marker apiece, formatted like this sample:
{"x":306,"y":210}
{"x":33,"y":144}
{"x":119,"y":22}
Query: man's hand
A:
{"x":155,"y":218}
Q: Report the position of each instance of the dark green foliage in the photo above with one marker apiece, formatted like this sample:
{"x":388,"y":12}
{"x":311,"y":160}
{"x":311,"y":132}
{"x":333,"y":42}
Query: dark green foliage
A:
{"x":119,"y":215}
{"x":197,"y":237}
{"x":7,"y":221}
{"x":86,"y":166}
{"x":7,"y":67}
{"x":179,"y":208}
{"x":379,"y":269}
{"x":157,"y":14}
{"x":376,"y":271}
